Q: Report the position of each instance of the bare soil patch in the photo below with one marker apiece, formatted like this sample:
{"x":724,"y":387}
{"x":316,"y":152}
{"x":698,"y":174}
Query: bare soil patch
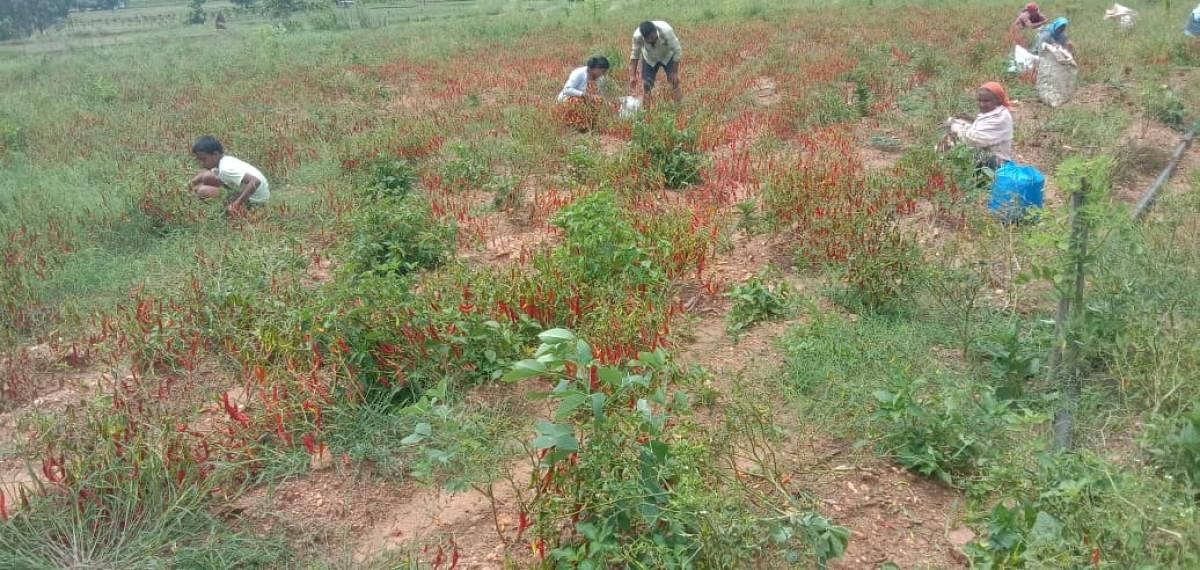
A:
{"x":765,"y":92}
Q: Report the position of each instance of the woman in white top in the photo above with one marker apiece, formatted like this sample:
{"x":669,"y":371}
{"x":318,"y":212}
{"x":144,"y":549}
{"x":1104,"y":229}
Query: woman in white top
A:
{"x":581,"y":77}
{"x":991,"y":131}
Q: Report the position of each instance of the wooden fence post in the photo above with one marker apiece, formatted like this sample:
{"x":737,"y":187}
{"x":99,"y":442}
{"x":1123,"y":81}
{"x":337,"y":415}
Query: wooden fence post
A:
{"x":1064,"y":358}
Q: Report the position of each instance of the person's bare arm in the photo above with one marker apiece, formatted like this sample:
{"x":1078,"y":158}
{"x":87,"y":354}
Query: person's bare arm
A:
{"x":1014,"y":33}
{"x":635,"y":57}
{"x":249,"y":185}
{"x":195,"y":181}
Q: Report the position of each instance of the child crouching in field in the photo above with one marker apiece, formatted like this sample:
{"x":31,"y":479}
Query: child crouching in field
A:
{"x":248,"y":185}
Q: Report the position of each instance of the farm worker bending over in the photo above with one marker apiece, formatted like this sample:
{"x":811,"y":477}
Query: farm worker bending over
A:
{"x":249,"y":186}
{"x":1030,"y":18}
{"x":656,"y":47}
{"x":991,"y":131}
{"x":1054,"y":33}
{"x":583,"y":77}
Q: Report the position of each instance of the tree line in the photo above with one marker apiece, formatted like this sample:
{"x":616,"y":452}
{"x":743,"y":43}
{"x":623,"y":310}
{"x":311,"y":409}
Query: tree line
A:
{"x":23,"y":18}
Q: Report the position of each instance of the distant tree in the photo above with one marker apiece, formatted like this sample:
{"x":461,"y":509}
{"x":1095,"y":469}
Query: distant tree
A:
{"x":197,"y":14}
{"x":20,"y":18}
{"x":282,"y":8}
{"x":243,"y":3}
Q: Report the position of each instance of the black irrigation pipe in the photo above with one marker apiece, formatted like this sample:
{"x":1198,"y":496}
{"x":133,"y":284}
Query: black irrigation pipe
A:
{"x":1147,"y":200}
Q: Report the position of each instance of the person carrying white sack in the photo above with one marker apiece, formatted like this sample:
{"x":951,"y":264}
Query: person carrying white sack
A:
{"x":1193,"y":25}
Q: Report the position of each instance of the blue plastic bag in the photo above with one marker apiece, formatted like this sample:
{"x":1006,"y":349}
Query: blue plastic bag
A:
{"x":1017,"y":188}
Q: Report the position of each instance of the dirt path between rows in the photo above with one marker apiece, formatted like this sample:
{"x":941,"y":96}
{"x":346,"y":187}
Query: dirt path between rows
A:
{"x":893,"y":515}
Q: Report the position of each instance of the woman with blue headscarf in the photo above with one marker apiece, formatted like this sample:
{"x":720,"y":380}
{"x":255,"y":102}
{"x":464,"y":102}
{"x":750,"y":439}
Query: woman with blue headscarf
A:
{"x":1054,"y":33}
{"x":1193,"y":25}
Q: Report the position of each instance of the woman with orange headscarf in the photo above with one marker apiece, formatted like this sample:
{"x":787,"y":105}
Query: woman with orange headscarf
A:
{"x":991,"y":131}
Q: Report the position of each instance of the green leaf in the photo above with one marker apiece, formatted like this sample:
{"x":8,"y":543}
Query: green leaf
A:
{"x":649,"y":512}
{"x":557,"y":336}
{"x":585,"y":355}
{"x":524,"y":369}
{"x":781,"y":534}
{"x":557,"y":436}
{"x":609,"y":376}
{"x":419,"y":434}
{"x":570,"y":402}
{"x":1046,"y":530}
{"x":598,"y":401}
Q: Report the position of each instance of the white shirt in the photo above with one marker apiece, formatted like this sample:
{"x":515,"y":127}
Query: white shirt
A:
{"x":232,"y":171}
{"x":991,"y":131}
{"x":576,"y":84}
{"x":665,"y":48}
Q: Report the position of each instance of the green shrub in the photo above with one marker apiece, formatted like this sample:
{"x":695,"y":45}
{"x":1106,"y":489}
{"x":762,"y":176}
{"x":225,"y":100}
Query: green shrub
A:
{"x":12,"y":134}
{"x":1175,"y":446}
{"x":881,"y":270}
{"x":392,"y":178}
{"x":754,"y":302}
{"x":940,"y":437}
{"x":671,"y":151}
{"x":397,"y":237}
{"x":464,"y":170}
{"x":601,"y":245}
{"x":1164,"y":105}
{"x":623,"y":485}
{"x":827,"y":105}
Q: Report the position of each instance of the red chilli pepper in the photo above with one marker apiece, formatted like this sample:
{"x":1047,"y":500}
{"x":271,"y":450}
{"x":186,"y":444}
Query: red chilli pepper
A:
{"x":234,"y":413}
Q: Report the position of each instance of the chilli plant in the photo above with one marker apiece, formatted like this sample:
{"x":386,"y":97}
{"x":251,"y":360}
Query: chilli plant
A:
{"x":670,"y":150}
{"x":617,"y":483}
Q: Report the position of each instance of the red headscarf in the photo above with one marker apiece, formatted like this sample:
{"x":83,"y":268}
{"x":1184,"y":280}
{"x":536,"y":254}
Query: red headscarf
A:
{"x":998,"y":91}
{"x":1031,"y":7}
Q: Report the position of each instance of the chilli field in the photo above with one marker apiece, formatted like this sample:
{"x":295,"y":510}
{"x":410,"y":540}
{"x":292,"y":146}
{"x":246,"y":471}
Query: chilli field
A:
{"x":766,"y":327}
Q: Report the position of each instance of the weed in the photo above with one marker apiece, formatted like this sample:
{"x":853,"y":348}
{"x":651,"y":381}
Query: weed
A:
{"x":430,"y":439}
{"x":506,"y":192}
{"x":862,"y":98}
{"x":131,"y":515}
{"x":463,"y":169}
{"x":825,"y":106}
{"x":755,"y":301}
{"x":1175,"y":446}
{"x":749,"y":219}
{"x":885,"y":142}
{"x":1013,"y":361}
{"x":12,"y":135}
{"x":669,"y":150}
{"x":1164,"y":105}
{"x":397,"y":237}
{"x":940,"y":438}
{"x":600,"y":243}
{"x":392,"y":178}
{"x":583,"y":165}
